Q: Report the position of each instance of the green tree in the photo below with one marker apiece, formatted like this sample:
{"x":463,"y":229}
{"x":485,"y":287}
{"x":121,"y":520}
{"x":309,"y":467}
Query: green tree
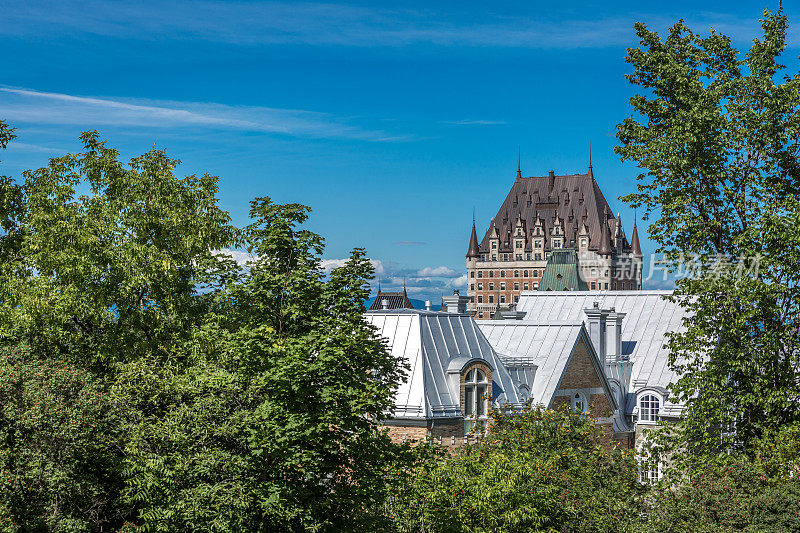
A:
{"x":238,"y":397}
{"x":716,"y":136}
{"x":537,"y":470}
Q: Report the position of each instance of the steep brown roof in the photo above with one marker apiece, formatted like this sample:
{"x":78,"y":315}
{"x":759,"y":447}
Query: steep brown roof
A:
{"x":575,"y":198}
{"x":396,"y":300}
{"x":473,"y":250}
{"x":635,"y":247}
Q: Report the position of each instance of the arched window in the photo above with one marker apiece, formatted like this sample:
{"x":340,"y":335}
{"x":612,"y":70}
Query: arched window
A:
{"x":649,"y":404}
{"x":579,"y":402}
{"x":475,"y":402}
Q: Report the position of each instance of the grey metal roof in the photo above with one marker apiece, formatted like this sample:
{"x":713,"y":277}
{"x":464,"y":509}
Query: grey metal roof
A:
{"x":549,"y":346}
{"x":436,"y":346}
{"x":649,"y":317}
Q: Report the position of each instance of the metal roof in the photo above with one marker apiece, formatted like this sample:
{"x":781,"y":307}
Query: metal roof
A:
{"x":561,"y":272}
{"x":436,"y":346}
{"x":576,"y":199}
{"x":547,"y":346}
{"x":649,"y":317}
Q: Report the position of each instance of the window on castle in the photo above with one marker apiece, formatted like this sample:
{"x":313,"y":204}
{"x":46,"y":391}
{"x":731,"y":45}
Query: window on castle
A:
{"x":480,"y":299}
{"x":480,"y":273}
{"x":583,"y":243}
{"x":516,"y":286}
{"x":535,"y":286}
{"x":516,"y":273}
{"x":649,"y":405}
{"x":491,"y":286}
{"x":524,"y":273}
{"x":494,"y":245}
{"x":605,"y":285}
{"x":519,"y":257}
{"x":519,"y":244}
{"x":480,"y":286}
{"x":538,"y":257}
{"x":472,"y":286}
{"x":491,"y":273}
{"x":528,"y":256}
{"x":472,"y":274}
{"x":502,"y":298}
{"x":516,"y":298}
{"x":525,"y":286}
{"x":502,"y":273}
{"x":494,"y":257}
{"x":491,"y":299}
{"x":480,"y":315}
{"x":594,"y":285}
{"x":502,"y":286}
{"x":579,"y":403}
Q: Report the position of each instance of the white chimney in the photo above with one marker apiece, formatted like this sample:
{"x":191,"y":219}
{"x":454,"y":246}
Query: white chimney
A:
{"x":456,"y":303}
{"x":384,"y":304}
{"x":427,"y":305}
{"x":597,"y":319}
{"x":614,"y":338}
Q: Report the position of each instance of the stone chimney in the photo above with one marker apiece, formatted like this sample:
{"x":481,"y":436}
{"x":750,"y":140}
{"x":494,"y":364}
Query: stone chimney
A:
{"x":456,"y":303}
{"x":614,"y":337}
{"x":384,"y":304}
{"x":597,"y":319}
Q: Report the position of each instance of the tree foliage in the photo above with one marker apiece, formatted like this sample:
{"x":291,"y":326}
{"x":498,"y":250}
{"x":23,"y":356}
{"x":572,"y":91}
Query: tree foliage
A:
{"x":716,"y":135}
{"x":221,"y":396}
{"x":537,"y":470}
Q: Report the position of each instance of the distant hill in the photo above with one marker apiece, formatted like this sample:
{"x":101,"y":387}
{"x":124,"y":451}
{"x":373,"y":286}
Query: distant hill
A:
{"x":418,"y":304}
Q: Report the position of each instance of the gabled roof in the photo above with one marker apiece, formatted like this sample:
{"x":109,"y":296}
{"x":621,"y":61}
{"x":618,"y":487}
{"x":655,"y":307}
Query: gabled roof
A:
{"x":436,"y":346}
{"x":561,"y":272}
{"x":648,"y":319}
{"x":548,"y":346}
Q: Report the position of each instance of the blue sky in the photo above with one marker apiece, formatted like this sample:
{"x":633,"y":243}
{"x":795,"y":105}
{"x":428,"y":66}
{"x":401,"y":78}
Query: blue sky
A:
{"x":390,"y":121}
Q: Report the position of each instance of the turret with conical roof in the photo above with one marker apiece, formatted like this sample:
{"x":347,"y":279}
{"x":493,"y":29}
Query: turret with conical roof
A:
{"x":605,"y":239}
{"x":474,"y":250}
{"x":635,"y":247}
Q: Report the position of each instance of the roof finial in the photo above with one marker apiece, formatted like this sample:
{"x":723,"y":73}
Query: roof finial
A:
{"x":379,"y":285}
{"x":590,"y":154}
{"x":519,"y":161}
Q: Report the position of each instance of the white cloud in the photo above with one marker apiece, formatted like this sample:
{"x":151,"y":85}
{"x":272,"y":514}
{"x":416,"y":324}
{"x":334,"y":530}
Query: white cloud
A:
{"x":237,"y":255}
{"x":440,"y":271}
{"x":459,"y":282}
{"x":30,"y":106}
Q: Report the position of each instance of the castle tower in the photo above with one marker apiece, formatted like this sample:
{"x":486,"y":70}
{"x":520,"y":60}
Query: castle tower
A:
{"x":538,"y":216}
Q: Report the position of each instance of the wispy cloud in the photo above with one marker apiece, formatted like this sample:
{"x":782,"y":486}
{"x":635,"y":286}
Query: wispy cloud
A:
{"x":409,"y":243}
{"x":474,"y":122}
{"x":316,"y":23}
{"x":21,"y":105}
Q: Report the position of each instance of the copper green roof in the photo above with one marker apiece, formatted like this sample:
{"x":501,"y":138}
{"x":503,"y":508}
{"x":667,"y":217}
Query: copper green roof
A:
{"x":561,"y":272}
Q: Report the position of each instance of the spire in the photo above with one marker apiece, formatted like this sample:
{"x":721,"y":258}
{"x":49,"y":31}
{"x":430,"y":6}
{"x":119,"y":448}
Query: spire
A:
{"x":591,"y":173}
{"x":379,"y":285}
{"x":635,"y":247}
{"x":519,"y":161}
{"x":473,"y":251}
{"x":605,"y":239}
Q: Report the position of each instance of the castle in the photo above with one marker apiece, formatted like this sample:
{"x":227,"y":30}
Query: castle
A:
{"x":540,"y":218}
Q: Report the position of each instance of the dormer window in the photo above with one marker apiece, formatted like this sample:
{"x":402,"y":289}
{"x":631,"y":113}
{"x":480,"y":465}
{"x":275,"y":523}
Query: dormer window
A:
{"x":649,"y":406}
{"x":476,"y":389}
